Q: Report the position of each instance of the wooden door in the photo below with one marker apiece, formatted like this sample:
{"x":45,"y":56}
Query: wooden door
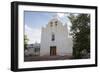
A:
{"x":52,"y":50}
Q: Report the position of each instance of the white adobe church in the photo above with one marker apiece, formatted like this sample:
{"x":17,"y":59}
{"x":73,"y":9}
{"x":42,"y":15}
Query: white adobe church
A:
{"x":55,"y":40}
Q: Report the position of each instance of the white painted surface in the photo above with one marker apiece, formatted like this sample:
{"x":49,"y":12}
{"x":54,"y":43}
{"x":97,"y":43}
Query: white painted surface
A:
{"x":22,"y":64}
{"x":61,"y":40}
{"x":5,"y":36}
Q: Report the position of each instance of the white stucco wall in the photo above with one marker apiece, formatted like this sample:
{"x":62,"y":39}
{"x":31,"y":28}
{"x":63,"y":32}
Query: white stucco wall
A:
{"x":62,"y":42}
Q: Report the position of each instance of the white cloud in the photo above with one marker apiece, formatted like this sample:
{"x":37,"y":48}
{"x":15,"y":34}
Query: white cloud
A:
{"x":33,"y":34}
{"x":64,"y":19}
{"x":60,"y":15}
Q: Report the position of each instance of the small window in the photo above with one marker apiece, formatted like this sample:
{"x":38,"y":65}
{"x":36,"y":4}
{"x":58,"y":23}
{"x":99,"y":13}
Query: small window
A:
{"x":53,"y":37}
{"x":36,"y":49}
{"x":51,"y":24}
{"x":56,"y":23}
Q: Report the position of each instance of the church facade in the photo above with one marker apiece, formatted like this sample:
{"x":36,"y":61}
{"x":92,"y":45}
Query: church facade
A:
{"x":55,"y":40}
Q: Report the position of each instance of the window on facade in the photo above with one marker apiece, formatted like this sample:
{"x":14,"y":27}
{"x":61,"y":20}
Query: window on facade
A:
{"x":51,"y":24}
{"x":56,"y":23}
{"x":53,"y":37}
{"x":36,"y":49}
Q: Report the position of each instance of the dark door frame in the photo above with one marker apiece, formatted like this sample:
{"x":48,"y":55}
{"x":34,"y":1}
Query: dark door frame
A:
{"x":53,"y":50}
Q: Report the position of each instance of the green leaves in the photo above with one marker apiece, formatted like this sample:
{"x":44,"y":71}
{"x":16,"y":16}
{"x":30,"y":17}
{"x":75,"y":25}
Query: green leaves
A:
{"x":81,"y":33}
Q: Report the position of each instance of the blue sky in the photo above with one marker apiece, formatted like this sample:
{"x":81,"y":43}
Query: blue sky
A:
{"x":34,"y":21}
{"x":37,"y":19}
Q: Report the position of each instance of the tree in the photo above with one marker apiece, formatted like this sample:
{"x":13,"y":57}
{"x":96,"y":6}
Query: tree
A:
{"x":25,"y":41}
{"x":81,"y":33}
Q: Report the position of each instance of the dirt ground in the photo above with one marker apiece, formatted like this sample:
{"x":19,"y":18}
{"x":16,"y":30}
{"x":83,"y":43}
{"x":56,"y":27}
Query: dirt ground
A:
{"x":45,"y":58}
